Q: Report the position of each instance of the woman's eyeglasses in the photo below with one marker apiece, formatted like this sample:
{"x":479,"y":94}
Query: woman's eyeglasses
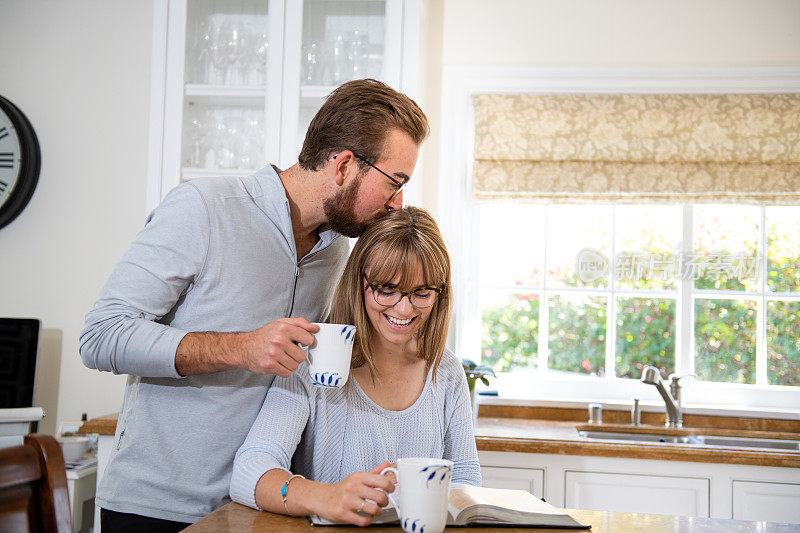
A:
{"x":389,"y":296}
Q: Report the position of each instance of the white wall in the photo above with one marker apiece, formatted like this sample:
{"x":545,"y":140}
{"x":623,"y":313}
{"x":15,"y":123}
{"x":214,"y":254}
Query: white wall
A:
{"x":80,"y":71}
{"x":597,"y":33}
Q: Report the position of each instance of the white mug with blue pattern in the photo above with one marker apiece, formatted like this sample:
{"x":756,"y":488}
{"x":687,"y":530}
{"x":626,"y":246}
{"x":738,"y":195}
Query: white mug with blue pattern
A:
{"x":422,"y":493}
{"x":329,"y":355}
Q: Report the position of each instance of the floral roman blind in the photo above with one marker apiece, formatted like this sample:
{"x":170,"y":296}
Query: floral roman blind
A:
{"x":638,"y":148}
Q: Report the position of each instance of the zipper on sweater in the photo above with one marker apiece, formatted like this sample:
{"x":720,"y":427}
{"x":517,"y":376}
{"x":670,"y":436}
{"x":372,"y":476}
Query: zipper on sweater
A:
{"x":297,"y":275}
{"x":294,"y":289}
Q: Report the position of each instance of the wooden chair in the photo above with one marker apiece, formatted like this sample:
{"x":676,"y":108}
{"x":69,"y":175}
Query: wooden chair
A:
{"x":33,"y":487}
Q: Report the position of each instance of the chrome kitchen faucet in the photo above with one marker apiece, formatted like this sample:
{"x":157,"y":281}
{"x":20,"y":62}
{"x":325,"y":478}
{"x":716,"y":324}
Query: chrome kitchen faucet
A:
{"x":652,"y":376}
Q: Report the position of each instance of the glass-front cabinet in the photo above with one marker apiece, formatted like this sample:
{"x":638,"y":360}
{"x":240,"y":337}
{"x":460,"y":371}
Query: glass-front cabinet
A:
{"x":236,"y":82}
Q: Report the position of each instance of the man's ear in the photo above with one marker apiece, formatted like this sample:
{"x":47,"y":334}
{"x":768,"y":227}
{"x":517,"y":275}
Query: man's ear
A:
{"x":343,"y":166}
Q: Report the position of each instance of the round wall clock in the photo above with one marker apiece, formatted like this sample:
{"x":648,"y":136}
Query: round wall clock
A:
{"x":20,"y":161}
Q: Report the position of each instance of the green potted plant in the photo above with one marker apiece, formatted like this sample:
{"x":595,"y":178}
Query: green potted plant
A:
{"x":476,"y":372}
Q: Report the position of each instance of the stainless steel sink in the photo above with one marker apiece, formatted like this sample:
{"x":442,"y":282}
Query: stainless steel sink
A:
{"x":743,"y":442}
{"x":706,"y":440}
{"x":639,"y":437}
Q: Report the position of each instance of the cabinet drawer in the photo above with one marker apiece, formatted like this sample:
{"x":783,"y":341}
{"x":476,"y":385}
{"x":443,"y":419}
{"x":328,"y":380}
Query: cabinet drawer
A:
{"x":637,"y":493}
{"x":761,"y":500}
{"x":529,"y":479}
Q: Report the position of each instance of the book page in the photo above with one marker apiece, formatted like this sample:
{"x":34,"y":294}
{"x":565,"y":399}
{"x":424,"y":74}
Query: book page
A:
{"x":460,"y":499}
{"x":514,"y":500}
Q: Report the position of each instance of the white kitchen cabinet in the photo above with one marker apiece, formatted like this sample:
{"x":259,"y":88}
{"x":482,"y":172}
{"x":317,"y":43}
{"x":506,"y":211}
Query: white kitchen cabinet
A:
{"x":235,"y":83}
{"x":759,"y":500}
{"x":528,"y":479}
{"x":81,"y":489}
{"x":683,"y":488}
{"x":637,"y":493}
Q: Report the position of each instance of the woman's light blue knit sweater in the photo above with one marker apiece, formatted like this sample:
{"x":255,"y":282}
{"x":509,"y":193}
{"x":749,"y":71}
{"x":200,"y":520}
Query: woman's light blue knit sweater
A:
{"x":326,"y":434}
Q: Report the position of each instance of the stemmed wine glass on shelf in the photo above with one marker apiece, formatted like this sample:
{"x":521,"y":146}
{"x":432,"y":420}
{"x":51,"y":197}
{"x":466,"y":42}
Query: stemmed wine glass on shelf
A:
{"x":195,"y":137}
{"x":258,"y":50}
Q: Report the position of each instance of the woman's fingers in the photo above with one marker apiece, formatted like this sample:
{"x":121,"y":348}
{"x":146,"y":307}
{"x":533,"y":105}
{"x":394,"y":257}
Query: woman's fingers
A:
{"x":380,"y":467}
{"x":385,"y":482}
{"x":365,"y":486}
{"x":359,"y":511}
{"x":377,"y":496}
{"x":371,"y":508}
{"x":347,"y":511}
{"x":362,"y":496}
{"x":353,"y":517}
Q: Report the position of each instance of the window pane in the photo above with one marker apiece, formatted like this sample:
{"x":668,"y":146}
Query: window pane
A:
{"x":511,"y":244}
{"x":577,"y":339}
{"x":725,"y":340}
{"x":783,"y":249}
{"x":510,"y":331}
{"x":570,"y":229}
{"x":647,"y":240}
{"x":783,"y":343}
{"x":725,"y":244}
{"x":645,"y":336}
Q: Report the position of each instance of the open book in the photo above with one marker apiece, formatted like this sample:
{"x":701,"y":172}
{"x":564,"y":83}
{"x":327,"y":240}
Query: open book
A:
{"x":480,"y":505}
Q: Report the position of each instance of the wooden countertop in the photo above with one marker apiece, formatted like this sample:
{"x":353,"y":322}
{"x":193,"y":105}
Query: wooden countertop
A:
{"x":551,"y":430}
{"x":562,"y":438}
{"x":235,"y":517}
{"x":102,"y":425}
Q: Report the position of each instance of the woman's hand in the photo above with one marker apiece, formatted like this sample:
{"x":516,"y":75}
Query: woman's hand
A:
{"x":356,"y":499}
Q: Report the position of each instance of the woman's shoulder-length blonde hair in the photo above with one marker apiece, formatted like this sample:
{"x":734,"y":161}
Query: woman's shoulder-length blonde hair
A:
{"x":400,"y":243}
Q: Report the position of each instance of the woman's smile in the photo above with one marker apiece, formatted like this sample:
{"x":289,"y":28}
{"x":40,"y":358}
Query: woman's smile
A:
{"x":400,"y":324}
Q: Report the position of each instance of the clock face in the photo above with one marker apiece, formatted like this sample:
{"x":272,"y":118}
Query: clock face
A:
{"x":20,"y":161}
{"x":10,"y":162}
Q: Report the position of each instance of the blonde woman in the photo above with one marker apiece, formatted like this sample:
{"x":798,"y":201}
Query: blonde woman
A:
{"x":406,"y":396}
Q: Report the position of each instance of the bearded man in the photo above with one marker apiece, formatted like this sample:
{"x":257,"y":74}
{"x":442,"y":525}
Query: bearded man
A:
{"x":217,"y":294}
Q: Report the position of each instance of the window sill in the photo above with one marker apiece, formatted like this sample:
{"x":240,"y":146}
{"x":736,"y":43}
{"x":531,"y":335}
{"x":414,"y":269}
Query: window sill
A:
{"x":646,"y":406}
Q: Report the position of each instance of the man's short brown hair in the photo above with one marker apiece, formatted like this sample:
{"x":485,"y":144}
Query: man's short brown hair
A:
{"x":358,"y":116}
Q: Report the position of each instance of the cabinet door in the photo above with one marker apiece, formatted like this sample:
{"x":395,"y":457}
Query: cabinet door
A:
{"x":222,"y":88}
{"x":636,"y":493}
{"x":236,"y":82}
{"x":773,"y":502}
{"x":529,"y":479}
{"x":327,"y":44}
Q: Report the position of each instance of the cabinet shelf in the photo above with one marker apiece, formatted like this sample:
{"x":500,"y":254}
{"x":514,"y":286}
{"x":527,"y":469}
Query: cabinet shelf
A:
{"x":316,"y":92}
{"x":190,"y":173}
{"x":225,"y":94}
{"x":194,"y":89}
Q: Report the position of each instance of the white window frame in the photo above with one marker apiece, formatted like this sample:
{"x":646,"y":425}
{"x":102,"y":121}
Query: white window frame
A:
{"x":458,"y":219}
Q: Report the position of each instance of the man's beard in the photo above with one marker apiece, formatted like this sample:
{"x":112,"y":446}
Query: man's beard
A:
{"x":341,"y":213}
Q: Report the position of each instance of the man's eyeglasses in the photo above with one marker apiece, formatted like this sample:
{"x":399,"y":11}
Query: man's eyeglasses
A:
{"x":398,"y":184}
{"x":389,"y":296}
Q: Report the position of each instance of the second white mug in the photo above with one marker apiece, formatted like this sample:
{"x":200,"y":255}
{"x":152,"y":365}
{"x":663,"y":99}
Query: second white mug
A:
{"x":423,"y":485}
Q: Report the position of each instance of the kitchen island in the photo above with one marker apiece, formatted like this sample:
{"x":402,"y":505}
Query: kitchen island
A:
{"x":234,"y":517}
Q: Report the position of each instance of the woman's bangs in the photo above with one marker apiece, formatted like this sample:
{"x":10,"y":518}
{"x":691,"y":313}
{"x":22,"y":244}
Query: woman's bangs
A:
{"x":387,"y":262}
{"x":407,"y":262}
